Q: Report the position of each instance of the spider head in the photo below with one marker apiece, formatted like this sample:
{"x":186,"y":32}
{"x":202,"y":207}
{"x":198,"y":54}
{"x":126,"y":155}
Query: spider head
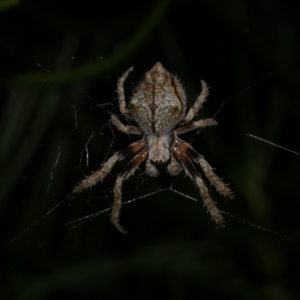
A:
{"x":158,"y":147}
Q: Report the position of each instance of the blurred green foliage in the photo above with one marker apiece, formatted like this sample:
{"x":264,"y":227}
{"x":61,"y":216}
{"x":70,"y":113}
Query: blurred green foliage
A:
{"x":60,"y":62}
{"x":6,"y":4}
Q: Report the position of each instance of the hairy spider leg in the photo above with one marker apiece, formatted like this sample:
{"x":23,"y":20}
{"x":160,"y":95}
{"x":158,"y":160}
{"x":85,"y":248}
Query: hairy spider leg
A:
{"x":108,"y":165}
{"x":196,"y":177}
{"x":197,"y":105}
{"x":121,"y":94}
{"x":220,"y":186}
{"x":196,"y":124}
{"x":128,"y":171}
{"x":129,"y":129}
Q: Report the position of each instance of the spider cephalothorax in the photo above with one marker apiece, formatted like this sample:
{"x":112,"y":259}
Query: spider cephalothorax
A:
{"x":158,"y":106}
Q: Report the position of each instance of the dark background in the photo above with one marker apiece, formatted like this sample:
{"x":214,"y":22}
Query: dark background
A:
{"x":60,"y":62}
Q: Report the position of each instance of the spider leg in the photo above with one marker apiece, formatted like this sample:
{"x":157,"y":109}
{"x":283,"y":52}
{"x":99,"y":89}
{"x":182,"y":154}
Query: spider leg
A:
{"x":196,"y":177}
{"x":129,"y":170}
{"x":121,"y":94}
{"x":127,"y":129}
{"x":196,"y":124}
{"x":221,"y":187}
{"x":106,"y":168}
{"x":197,"y":105}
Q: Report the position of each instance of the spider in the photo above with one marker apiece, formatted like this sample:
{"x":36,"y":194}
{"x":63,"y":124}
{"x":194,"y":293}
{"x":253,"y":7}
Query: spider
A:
{"x":158,"y":106}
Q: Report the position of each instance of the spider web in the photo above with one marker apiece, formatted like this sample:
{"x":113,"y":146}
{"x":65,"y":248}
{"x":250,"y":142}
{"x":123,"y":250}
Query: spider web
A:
{"x":64,"y":212}
{"x":135,"y":194}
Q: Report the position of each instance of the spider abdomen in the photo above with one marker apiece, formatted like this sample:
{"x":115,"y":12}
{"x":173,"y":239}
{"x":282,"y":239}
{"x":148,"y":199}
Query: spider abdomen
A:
{"x":158,"y":103}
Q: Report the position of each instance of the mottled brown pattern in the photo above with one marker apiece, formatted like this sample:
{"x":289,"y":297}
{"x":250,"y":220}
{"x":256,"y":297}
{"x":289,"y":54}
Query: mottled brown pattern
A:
{"x":158,"y":106}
